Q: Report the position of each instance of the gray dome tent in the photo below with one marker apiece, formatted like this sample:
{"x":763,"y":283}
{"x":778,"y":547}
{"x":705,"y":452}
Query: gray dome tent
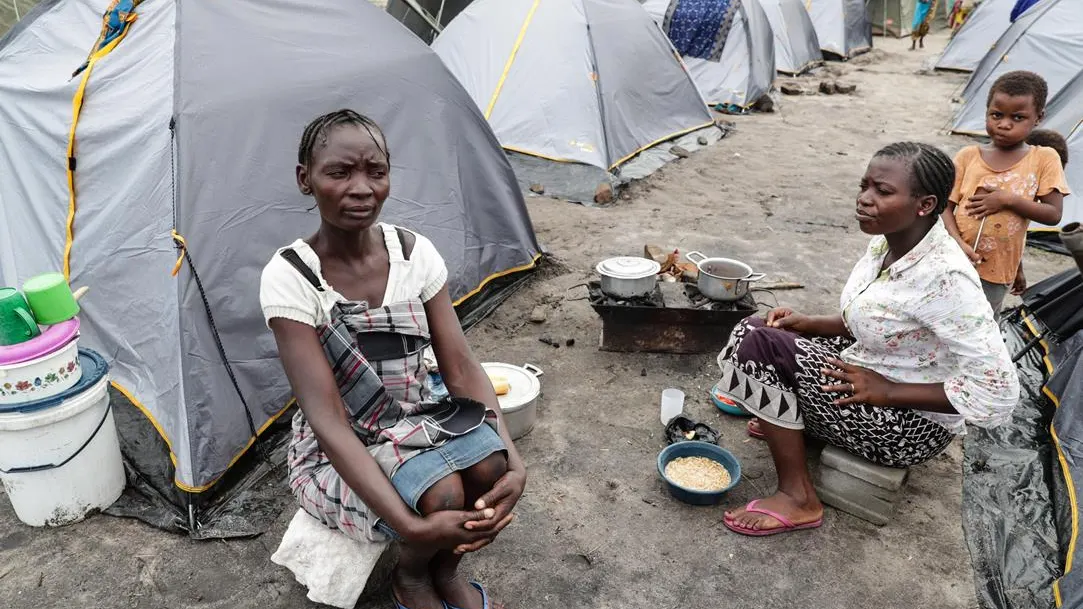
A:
{"x":842,"y":26}
{"x":1047,"y":39}
{"x":797,"y":48}
{"x":189,"y":125}
{"x":979,"y":34}
{"x":741,"y":70}
{"x":1064,"y":114}
{"x":571,"y":86}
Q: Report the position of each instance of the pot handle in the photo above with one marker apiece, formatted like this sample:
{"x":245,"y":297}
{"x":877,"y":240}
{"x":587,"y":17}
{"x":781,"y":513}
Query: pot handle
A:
{"x":755,"y":277}
{"x":531,"y":368}
{"x":697,"y":254}
{"x":28,"y":321}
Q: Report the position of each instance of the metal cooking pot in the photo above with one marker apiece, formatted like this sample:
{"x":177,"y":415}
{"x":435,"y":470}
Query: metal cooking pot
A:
{"x":723,"y":279}
{"x":519,"y":405}
{"x":628,"y":276}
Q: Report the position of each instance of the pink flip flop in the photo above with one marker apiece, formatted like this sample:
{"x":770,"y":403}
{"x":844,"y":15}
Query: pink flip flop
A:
{"x":753,"y":433}
{"x":786,"y":527}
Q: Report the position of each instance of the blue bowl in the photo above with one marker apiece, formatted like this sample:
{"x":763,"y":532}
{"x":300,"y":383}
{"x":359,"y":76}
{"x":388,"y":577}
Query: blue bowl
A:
{"x":727,"y":405}
{"x":698,"y":449}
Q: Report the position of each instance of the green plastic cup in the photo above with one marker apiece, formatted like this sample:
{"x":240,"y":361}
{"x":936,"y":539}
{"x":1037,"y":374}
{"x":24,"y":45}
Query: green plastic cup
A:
{"x":50,"y":298}
{"x":17,"y":323}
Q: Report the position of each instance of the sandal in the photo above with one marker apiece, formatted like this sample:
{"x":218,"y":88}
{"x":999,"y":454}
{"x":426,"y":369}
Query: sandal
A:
{"x":753,"y":430}
{"x":479,"y":588}
{"x":786,"y":527}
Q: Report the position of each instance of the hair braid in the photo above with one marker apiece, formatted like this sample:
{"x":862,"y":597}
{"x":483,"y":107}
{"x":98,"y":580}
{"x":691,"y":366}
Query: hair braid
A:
{"x":320,"y":126}
{"x":931,"y":171}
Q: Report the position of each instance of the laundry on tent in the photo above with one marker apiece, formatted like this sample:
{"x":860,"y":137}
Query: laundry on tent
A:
{"x":842,"y":27}
{"x":182,"y":162}
{"x":740,"y":67}
{"x":797,"y":48}
{"x":977,"y":36}
{"x":574,"y":89}
{"x":1047,"y":39}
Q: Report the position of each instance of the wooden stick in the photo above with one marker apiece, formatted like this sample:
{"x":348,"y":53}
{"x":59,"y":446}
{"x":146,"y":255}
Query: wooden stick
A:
{"x":79,"y":293}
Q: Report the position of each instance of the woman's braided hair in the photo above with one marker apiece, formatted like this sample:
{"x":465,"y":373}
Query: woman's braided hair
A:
{"x":931,"y":171}
{"x":317,"y":131}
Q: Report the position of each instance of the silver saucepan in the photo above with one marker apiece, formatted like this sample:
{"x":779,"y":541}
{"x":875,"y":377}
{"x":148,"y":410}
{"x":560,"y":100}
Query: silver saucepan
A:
{"x":723,"y":279}
{"x":628,"y":277}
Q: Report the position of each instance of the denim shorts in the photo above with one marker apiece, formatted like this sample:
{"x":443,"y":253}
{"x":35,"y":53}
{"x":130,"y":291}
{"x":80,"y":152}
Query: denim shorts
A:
{"x":421,"y":472}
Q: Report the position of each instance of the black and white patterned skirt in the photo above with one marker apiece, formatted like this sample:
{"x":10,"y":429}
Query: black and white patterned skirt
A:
{"x":775,"y":375}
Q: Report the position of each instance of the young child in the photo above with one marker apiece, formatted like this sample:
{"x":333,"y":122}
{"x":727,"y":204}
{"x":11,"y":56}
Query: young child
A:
{"x":1056,"y":141}
{"x":1001,"y":187}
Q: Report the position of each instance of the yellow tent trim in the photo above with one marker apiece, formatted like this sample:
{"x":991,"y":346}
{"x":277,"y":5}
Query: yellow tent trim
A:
{"x":525,"y":267}
{"x":251,"y":442}
{"x":659,"y":141}
{"x":77,"y":106}
{"x":511,"y":58}
{"x":540,"y":155}
{"x":157,"y":426}
{"x":1072,"y":499}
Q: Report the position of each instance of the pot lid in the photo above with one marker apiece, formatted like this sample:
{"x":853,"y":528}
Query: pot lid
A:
{"x":628,"y":267}
{"x":523,"y":386}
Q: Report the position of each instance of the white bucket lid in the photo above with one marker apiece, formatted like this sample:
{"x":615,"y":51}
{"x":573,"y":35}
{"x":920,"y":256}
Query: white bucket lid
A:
{"x":628,"y":267}
{"x":523,"y":385}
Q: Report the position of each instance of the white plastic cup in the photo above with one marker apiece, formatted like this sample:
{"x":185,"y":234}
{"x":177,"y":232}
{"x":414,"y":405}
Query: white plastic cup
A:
{"x":672,"y":404}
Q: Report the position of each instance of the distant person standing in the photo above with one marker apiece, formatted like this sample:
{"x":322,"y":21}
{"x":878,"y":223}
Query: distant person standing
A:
{"x":1000,"y":188}
{"x":923,"y":16}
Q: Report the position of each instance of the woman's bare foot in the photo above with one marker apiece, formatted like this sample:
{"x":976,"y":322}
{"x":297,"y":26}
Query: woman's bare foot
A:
{"x":797,"y":511}
{"x":415,"y":591}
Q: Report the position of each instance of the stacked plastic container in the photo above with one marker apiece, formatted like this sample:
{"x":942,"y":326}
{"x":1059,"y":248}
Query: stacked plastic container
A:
{"x":59,"y":450}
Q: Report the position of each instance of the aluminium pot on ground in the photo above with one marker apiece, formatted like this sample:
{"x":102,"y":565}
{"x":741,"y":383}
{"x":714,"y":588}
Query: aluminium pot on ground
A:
{"x":520,"y":404}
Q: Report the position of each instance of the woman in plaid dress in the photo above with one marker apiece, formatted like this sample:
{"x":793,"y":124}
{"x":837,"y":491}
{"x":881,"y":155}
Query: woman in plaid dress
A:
{"x":353,"y":308}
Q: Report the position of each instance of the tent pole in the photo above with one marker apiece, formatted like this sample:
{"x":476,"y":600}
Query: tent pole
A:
{"x":424,"y":14}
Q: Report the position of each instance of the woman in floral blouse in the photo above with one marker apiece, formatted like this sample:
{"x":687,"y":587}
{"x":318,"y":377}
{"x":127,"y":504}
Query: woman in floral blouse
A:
{"x":913,"y":356}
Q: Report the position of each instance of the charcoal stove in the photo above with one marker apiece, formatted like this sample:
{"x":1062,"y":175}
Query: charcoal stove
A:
{"x":675,"y":318}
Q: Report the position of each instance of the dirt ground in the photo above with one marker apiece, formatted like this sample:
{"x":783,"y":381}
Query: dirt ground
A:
{"x":595,"y":527}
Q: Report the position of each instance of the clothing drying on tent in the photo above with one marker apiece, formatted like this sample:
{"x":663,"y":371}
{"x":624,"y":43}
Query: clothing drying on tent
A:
{"x":223,"y":92}
{"x":976,"y":37}
{"x":1021,"y":7}
{"x":797,"y":49}
{"x":1048,"y":39}
{"x":745,"y":70}
{"x":698,"y":28}
{"x":581,"y":85}
{"x":842,"y":27}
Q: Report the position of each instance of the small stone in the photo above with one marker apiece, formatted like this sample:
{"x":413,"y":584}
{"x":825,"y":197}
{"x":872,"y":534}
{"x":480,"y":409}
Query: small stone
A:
{"x":679,"y":152}
{"x":538,"y":315}
{"x":537,"y":189}
{"x":827,"y":87}
{"x":790,"y":88}
{"x":570,"y":342}
{"x":845,"y":89}
{"x":702,"y":140}
{"x":643,"y":372}
{"x":604,"y":193}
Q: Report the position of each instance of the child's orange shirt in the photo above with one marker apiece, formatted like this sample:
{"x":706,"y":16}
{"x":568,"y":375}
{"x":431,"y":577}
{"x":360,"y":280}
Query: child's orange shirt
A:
{"x":1005,"y":233}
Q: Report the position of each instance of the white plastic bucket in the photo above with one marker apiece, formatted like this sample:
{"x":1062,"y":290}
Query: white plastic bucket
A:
{"x":58,"y":464}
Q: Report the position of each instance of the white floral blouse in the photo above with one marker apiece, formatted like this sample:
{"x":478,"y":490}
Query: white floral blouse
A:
{"x":925,"y":319}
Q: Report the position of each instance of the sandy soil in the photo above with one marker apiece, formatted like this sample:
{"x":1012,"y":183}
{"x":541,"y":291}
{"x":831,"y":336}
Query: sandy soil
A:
{"x":596,"y":528}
